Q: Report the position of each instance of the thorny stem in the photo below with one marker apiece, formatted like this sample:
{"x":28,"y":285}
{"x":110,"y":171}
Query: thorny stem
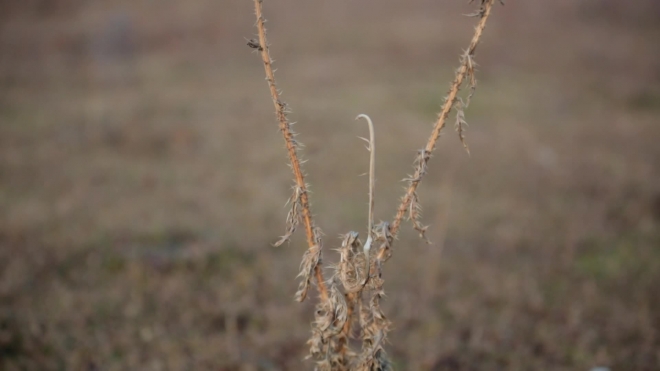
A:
{"x":442,"y":117}
{"x":290,"y":145}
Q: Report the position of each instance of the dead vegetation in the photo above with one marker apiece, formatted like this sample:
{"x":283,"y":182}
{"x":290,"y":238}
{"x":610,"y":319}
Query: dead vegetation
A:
{"x":141,"y":187}
{"x":356,"y":288}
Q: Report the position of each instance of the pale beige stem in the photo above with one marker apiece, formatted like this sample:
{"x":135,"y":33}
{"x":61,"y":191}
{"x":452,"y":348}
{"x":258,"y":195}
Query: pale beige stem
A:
{"x":372,"y":188}
{"x":372,"y":176}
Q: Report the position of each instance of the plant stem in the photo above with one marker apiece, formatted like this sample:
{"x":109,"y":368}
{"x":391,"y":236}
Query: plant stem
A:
{"x":289,"y":140}
{"x":461,"y":73}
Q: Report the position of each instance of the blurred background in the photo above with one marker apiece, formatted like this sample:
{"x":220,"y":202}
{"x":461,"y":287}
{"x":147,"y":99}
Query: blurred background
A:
{"x":143,"y":181}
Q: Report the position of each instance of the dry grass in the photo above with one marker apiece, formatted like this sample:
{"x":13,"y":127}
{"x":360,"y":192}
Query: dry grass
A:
{"x":141,"y":189}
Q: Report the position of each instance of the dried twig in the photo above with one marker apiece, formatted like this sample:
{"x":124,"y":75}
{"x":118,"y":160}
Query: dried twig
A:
{"x":465,"y":70}
{"x":300,"y":201}
{"x":372,"y":177}
{"x":372,"y":187}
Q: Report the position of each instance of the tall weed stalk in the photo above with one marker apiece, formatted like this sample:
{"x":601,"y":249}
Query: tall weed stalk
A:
{"x":349,"y":302}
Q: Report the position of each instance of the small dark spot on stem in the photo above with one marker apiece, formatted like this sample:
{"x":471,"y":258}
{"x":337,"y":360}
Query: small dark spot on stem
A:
{"x":254,"y":44}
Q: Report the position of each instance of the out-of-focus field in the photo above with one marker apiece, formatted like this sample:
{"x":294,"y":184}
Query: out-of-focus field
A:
{"x":143,"y":180}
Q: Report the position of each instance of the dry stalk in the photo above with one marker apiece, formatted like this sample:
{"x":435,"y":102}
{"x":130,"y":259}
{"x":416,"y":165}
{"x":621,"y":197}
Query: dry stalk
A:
{"x":372,"y":189}
{"x":311,"y":263}
{"x":410,"y":201}
{"x":330,"y":344}
{"x":372,"y":171}
{"x":356,"y":288}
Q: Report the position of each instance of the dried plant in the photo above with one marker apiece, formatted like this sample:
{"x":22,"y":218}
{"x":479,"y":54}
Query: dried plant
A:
{"x":349,"y":305}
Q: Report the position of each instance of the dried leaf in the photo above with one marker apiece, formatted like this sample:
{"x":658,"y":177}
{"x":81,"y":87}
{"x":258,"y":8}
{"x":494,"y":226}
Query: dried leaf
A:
{"x":461,"y":124}
{"x":415,"y":215}
{"x":309,"y":262}
{"x":293,"y":217}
